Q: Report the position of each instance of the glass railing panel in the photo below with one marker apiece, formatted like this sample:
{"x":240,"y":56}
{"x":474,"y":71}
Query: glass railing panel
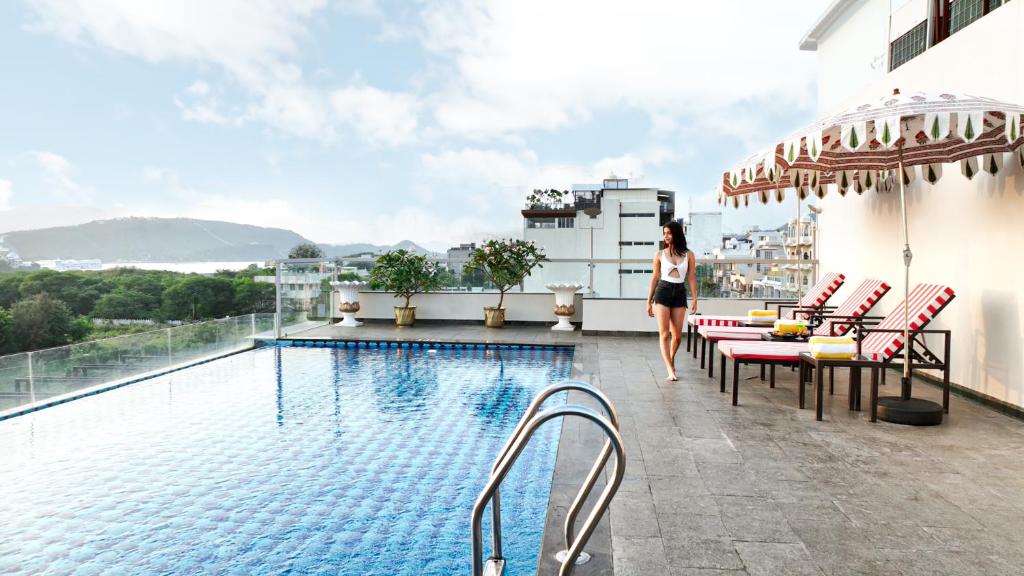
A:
{"x":42,"y":374}
{"x":14,"y":381}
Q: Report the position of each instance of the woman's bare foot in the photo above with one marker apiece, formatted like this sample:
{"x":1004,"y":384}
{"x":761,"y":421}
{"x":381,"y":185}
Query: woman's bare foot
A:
{"x":671,"y":376}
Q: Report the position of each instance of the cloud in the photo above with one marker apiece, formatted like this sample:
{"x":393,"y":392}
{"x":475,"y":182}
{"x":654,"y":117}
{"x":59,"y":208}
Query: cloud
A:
{"x":380,"y":117}
{"x":6,"y":191}
{"x":58,"y":173}
{"x":536,"y":65}
{"x":519,"y":172}
{"x":252,"y":39}
{"x":257,"y":42}
{"x":198,"y":104}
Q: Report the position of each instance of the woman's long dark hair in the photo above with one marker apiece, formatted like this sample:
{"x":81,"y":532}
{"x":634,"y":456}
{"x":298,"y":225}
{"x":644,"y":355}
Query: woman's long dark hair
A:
{"x":678,"y":238}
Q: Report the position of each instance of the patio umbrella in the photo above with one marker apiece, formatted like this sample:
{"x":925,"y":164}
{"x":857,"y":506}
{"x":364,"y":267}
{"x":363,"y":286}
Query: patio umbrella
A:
{"x":764,"y":163}
{"x":877,"y":145}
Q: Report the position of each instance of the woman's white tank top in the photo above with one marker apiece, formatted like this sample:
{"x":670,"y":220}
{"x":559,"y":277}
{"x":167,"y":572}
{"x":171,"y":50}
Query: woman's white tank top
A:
{"x":667,"y":266}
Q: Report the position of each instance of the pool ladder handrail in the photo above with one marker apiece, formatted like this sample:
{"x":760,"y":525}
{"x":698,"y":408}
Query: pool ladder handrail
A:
{"x":520,"y":437}
{"x":595,"y":471}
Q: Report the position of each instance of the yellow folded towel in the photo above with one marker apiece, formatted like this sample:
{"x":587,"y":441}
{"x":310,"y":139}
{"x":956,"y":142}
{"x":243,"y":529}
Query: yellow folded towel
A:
{"x":831,"y":340}
{"x":790,"y":327}
{"x":832,"y":347}
{"x":762,"y":316}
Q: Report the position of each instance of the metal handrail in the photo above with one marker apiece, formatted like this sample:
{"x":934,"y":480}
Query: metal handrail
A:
{"x":595,"y":471}
{"x":496,"y":563}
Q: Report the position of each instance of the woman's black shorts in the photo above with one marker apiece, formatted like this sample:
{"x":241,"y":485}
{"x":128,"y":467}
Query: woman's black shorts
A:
{"x":670,"y":294}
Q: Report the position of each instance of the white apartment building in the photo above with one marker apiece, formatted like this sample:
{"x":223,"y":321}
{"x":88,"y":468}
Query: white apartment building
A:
{"x":703,"y":232}
{"x":959,"y":229}
{"x":610,"y":222}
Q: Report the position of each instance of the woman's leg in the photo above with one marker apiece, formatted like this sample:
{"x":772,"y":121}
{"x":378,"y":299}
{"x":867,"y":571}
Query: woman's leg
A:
{"x":663,"y":315}
{"x":676,"y":318}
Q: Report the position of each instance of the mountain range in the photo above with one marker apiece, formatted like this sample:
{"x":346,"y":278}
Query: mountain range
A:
{"x":171,"y":240}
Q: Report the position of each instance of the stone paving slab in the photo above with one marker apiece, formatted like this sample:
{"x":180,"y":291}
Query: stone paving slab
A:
{"x":763,"y":488}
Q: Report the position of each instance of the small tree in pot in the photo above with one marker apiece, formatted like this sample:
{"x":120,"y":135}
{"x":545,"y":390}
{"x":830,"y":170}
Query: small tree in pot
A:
{"x":505,"y":263}
{"x":406,"y":274}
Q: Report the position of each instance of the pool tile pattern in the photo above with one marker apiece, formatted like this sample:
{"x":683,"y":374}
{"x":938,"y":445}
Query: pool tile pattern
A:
{"x":281,"y":460}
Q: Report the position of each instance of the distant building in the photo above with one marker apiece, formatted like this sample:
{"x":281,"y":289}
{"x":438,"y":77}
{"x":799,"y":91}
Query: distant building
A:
{"x":68,"y":265}
{"x":703,"y":232}
{"x":458,"y":256}
{"x":609,"y":221}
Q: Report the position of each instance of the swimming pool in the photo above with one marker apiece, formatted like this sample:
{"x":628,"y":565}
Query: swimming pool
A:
{"x":281,"y":460}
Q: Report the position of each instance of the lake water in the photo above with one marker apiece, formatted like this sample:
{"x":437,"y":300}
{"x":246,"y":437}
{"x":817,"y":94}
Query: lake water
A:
{"x":186,"y":267}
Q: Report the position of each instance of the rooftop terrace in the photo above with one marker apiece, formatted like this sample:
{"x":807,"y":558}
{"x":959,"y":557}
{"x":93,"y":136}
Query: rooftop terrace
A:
{"x":762,"y":488}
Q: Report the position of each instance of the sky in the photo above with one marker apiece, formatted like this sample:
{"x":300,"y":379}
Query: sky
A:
{"x":377,"y":121}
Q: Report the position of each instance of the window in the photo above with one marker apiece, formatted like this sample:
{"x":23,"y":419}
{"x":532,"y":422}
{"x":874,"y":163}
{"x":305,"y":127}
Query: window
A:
{"x":963,"y":12}
{"x":952,"y":16}
{"x":637,"y":215}
{"x":908,"y":46}
{"x":541,"y":223}
{"x":568,"y":222}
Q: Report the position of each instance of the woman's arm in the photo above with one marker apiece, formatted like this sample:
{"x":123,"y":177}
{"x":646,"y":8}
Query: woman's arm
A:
{"x":691,"y":277}
{"x":654,"y":282}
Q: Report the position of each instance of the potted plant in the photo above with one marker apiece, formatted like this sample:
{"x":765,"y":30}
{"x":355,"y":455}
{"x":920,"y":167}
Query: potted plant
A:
{"x":504,"y":263}
{"x":406,"y":274}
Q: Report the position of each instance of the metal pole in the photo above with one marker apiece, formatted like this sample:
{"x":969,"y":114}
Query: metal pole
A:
{"x":590,"y":264}
{"x":907,"y":257}
{"x":277,"y":301}
{"x":31,"y":379}
{"x":170,"y":359}
{"x":799,"y":267}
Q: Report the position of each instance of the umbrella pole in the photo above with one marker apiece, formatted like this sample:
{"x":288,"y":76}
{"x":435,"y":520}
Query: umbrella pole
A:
{"x":796,"y":229}
{"x":907,"y":257}
{"x":903,"y":409}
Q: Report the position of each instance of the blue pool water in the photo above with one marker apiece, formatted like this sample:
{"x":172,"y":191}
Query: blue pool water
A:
{"x":280,"y":460}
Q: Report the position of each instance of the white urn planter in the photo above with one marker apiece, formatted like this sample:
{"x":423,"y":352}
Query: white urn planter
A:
{"x":348,"y":292}
{"x":564,"y":306}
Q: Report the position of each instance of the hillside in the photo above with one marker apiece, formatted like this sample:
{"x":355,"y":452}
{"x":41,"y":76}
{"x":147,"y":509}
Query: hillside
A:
{"x":153,"y":240}
{"x":343,"y":250}
{"x":171,"y":240}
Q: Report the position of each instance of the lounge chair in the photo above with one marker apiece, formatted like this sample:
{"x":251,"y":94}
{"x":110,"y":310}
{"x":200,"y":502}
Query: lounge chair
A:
{"x":880,"y":346}
{"x":813,"y":300}
{"x":856,"y":305}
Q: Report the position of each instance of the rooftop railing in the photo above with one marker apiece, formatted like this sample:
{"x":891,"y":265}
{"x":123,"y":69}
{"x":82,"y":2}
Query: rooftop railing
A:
{"x":44,"y":375}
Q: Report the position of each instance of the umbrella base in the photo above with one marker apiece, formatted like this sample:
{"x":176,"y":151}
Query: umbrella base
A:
{"x":912,"y":411}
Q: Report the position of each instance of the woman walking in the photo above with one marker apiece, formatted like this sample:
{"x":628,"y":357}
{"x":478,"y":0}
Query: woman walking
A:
{"x":673,"y":269}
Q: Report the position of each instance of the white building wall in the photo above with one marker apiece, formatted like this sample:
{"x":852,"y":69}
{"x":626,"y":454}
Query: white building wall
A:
{"x":963,"y":233}
{"x":705,"y":233}
{"x":854,"y":53}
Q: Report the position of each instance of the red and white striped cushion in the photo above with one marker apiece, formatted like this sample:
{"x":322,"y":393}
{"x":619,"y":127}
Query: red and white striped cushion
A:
{"x":857,"y":304}
{"x":924,"y":302}
{"x":715,"y":333}
{"x":762,"y":350}
{"x":708,"y":320}
{"x":820,"y":292}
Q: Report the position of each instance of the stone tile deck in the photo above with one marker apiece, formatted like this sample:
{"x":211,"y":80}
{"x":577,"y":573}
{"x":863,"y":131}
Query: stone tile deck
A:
{"x":762,"y":488}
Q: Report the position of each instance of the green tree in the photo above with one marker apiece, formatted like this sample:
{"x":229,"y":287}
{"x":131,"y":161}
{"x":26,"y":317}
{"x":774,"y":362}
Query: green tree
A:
{"x":405,"y":273}
{"x":306,"y":250}
{"x":43,"y":322}
{"x":6,"y":332}
{"x":195,"y":297}
{"x":79,"y":290}
{"x":253,"y":296}
{"x":10,"y":289}
{"x":126,"y":303}
{"x":505,"y":262}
